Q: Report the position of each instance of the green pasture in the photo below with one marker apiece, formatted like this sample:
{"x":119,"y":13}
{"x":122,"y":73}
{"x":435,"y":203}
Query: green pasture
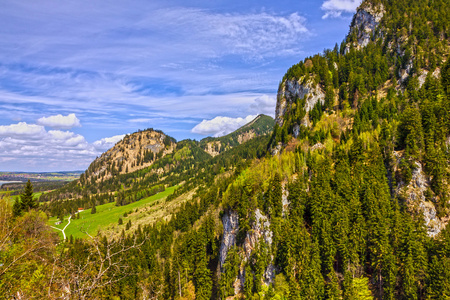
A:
{"x":107,"y":214}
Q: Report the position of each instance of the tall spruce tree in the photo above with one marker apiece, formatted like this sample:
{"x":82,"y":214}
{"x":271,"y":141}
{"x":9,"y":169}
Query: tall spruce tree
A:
{"x":26,"y":201}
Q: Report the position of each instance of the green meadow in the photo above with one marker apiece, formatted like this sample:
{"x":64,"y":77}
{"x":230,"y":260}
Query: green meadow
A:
{"x":107,"y":215}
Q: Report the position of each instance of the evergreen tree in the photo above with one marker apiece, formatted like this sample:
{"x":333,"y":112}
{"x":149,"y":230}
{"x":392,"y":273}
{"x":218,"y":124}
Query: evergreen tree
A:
{"x":27,"y":199}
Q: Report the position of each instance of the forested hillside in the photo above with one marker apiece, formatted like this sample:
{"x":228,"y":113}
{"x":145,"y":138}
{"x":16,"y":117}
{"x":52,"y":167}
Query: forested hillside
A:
{"x":347,"y":198}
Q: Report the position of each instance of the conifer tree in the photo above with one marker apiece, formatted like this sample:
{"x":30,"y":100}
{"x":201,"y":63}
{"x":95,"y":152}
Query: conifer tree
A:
{"x":27,"y":198}
{"x":26,"y":201}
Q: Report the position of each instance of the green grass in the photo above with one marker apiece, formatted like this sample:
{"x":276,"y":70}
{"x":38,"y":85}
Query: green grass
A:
{"x":107,"y":215}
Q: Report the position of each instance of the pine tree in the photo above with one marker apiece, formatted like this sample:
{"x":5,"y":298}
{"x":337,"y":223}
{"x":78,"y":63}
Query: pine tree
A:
{"x":25,"y":202}
{"x":27,"y":198}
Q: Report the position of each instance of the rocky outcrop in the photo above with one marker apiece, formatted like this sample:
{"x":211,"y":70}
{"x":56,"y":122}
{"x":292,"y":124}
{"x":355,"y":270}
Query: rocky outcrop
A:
{"x":404,"y":73}
{"x":284,"y":199}
{"x":414,"y":192}
{"x":213,"y":148}
{"x":290,"y":90}
{"x":260,"y":230}
{"x":246,"y":136}
{"x":259,"y":233}
{"x":364,"y":24}
{"x":230,"y":221}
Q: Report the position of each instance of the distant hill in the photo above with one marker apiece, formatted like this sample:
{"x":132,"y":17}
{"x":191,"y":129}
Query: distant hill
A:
{"x":261,"y":125}
{"x":135,"y":151}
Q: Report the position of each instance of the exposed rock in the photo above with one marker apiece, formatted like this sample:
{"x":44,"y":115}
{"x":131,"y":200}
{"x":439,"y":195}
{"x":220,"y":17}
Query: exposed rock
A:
{"x":436,"y":73}
{"x":417,"y":202}
{"x":422,"y":78}
{"x":291,"y":90}
{"x":246,"y":136}
{"x":275,"y":150}
{"x":296,"y":130}
{"x":269,"y":274}
{"x":213,"y":148}
{"x":260,"y":229}
{"x":284,"y":198}
{"x":335,"y":65}
{"x":404,"y":73}
{"x":317,"y":146}
{"x":433,"y":223}
{"x":230,"y":221}
{"x":364,"y":24}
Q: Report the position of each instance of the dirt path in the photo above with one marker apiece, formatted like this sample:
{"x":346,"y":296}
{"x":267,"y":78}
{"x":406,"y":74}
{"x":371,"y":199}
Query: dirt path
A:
{"x":64,"y":234}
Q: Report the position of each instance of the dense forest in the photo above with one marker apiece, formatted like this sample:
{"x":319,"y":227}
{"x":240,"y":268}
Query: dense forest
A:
{"x":347,"y":198}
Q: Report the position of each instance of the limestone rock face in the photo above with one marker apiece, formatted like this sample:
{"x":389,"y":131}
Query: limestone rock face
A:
{"x":417,"y":203}
{"x":364,"y":24}
{"x":290,"y":90}
{"x":230,"y":221}
{"x":213,"y":148}
{"x":260,"y":232}
{"x":260,"y":229}
{"x":284,"y":199}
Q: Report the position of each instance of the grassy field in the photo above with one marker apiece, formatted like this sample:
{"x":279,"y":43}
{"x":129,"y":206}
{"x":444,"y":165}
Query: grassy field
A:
{"x":107,"y":216}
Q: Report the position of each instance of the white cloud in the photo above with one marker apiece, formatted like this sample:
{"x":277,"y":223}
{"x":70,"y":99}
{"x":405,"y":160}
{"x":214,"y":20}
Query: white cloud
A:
{"x":106,"y":143}
{"x":60,"y":121}
{"x":35,"y":148}
{"x":264,"y":104}
{"x":335,"y":8}
{"x":220,"y":126}
{"x":22,"y":130}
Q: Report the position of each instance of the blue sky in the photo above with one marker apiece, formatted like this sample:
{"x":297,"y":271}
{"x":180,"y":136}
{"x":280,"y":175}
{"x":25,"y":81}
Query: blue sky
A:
{"x":77,"y":75}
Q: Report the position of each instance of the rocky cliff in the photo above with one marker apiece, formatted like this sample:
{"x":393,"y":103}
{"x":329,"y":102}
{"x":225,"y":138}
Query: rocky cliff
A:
{"x":364,"y":25}
{"x":290,"y":90}
{"x":414,"y":191}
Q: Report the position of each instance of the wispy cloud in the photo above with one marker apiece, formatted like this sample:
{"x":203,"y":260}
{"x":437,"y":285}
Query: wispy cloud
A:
{"x":335,"y":8}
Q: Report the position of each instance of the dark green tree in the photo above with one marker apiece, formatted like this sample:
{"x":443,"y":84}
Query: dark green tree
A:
{"x":26,"y":201}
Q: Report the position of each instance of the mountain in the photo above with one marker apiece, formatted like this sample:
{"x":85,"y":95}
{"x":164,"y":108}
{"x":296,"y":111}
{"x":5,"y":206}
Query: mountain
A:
{"x":261,"y":125}
{"x":353,"y":87}
{"x":133,"y":152}
{"x":347,"y":198}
